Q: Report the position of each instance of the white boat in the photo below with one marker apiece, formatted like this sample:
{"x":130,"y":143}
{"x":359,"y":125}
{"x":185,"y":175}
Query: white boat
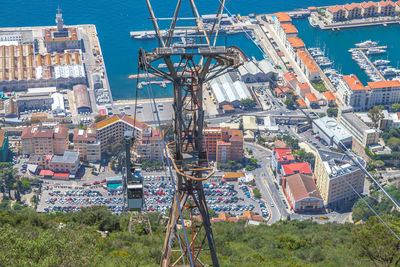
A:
{"x":375,"y":51}
{"x":381,"y":62}
{"x":312,"y":22}
{"x":367,"y":44}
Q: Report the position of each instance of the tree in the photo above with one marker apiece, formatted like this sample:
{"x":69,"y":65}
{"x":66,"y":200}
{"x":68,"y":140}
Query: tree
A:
{"x":289,"y":104}
{"x":332,"y":112}
{"x":71,"y":137}
{"x":395,"y":107}
{"x":248,"y":103}
{"x":99,"y":118}
{"x":256,"y":193}
{"x":376,"y":115}
{"x":394,"y":143}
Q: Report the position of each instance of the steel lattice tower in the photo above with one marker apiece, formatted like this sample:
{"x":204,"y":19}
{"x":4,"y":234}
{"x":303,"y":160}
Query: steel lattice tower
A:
{"x":199,"y":60}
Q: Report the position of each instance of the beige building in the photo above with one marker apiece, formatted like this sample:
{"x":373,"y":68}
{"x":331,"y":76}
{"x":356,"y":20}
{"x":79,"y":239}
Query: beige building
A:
{"x":336,"y":13}
{"x":39,"y":139}
{"x":387,"y":8}
{"x":369,"y":9}
{"x":332,"y":170}
{"x":115,"y":126}
{"x":86,"y":144}
{"x":150,"y":146}
{"x":353,"y":10}
{"x":67,"y":163}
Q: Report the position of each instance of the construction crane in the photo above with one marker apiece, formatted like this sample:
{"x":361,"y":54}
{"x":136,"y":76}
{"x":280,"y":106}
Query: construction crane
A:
{"x":199,"y":60}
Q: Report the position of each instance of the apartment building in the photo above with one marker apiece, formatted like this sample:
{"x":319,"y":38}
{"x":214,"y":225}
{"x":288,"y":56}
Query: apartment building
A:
{"x":115,"y":126}
{"x":290,"y":79}
{"x":67,"y":163}
{"x":307,"y":66}
{"x":353,"y":10}
{"x":336,"y":13}
{"x":311,"y":100}
{"x":369,"y":9}
{"x":334,"y":172}
{"x":387,"y":8}
{"x":362,"y":98}
{"x":364,"y":135}
{"x":293,"y":44}
{"x":303,"y":194}
{"x":302,"y":89}
{"x":279,"y":157}
{"x":87,"y":145}
{"x":223,"y":144}
{"x":281,"y":18}
{"x":293,"y":168}
{"x":150,"y":147}
{"x":40,"y":139}
{"x":330,"y":98}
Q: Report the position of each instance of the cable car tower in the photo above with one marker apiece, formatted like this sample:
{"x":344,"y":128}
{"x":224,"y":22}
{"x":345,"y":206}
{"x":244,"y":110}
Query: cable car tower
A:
{"x":197,"y":60}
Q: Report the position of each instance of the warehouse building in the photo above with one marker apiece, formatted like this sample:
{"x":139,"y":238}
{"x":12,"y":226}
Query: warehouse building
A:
{"x":82,"y":100}
{"x":251,"y":72}
{"x":332,"y":131}
{"x":228,"y":92}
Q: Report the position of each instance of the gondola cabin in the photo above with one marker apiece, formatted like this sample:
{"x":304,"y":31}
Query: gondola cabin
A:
{"x":135,"y":190}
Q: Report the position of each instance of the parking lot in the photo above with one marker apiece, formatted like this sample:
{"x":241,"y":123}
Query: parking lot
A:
{"x":232,"y":197}
{"x":62,"y":197}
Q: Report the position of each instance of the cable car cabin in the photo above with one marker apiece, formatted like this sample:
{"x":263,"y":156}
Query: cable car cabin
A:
{"x":135,"y":196}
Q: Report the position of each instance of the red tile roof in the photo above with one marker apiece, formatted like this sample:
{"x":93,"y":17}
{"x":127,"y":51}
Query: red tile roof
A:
{"x":369,"y":4}
{"x":46,"y":173}
{"x":283,"y":154}
{"x":61,"y":175}
{"x":386,"y":3}
{"x":296,"y":42}
{"x":228,"y":107}
{"x":283,"y":17}
{"x":289,"y":76}
{"x":301,"y":103}
{"x":117,"y":117}
{"x":311,"y":97}
{"x":329,"y":96}
{"x":336,"y":8}
{"x":289,"y":28}
{"x":353,"y":82}
{"x":303,"y":86}
{"x":352,"y":6}
{"x":302,"y":186}
{"x":298,"y":167}
{"x":84,"y":136}
{"x":384,"y":84}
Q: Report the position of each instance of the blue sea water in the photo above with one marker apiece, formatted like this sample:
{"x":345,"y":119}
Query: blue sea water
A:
{"x":115,"y":19}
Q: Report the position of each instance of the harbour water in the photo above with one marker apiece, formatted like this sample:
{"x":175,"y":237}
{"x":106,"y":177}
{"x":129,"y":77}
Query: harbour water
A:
{"x":337,"y":43}
{"x":115,"y":19}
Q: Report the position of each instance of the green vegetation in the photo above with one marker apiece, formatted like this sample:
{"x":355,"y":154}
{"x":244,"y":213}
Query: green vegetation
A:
{"x":292,"y":143}
{"x":230,"y":166}
{"x":319,"y":86}
{"x":260,"y":140}
{"x":376,"y":115}
{"x":32,"y":239}
{"x":332,"y":112}
{"x":81,"y":126}
{"x":379,"y":201}
{"x":152,"y":165}
{"x":256,"y":192}
{"x":290,"y":104}
{"x":248,"y":103}
{"x":251,"y":165}
{"x":395,"y":107}
{"x":99,"y":118}
{"x":304,"y":156}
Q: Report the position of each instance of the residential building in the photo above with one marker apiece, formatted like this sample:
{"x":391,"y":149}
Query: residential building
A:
{"x":40,"y":139}
{"x":363,"y":98}
{"x":150,"y":147}
{"x":334,"y":172}
{"x":280,"y":19}
{"x":307,"y":65}
{"x":293,"y":168}
{"x":87,"y":145}
{"x":279,"y":157}
{"x":4,"y":151}
{"x":290,"y":79}
{"x":387,"y":8}
{"x":302,"y":89}
{"x":330,"y":99}
{"x":294,"y":44}
{"x":357,"y":128}
{"x":115,"y":126}
{"x":67,"y":163}
{"x":223,"y":144}
{"x":332,"y":132}
{"x":336,"y":13}
{"x":302,"y":104}
{"x":10,"y":108}
{"x":369,"y":9}
{"x":302,"y":193}
{"x":353,"y":11}
{"x":311,"y":100}
{"x":287,"y":31}
{"x":282,"y":92}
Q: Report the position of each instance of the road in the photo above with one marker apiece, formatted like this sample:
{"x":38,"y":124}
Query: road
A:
{"x":265,"y":182}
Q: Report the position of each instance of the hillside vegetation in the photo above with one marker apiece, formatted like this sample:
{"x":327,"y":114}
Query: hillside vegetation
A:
{"x":31,"y":239}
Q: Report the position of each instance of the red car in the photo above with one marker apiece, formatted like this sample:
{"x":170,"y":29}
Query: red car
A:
{"x":96,"y":182}
{"x":104,"y":180}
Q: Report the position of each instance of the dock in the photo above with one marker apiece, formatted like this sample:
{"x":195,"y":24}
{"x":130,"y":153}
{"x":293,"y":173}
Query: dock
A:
{"x":370,"y":63}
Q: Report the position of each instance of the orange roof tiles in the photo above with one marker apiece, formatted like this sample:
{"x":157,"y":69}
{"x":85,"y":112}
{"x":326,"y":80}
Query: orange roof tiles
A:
{"x":283,"y":17}
{"x":290,"y":76}
{"x":311,"y":97}
{"x":2,"y":137}
{"x":352,"y":6}
{"x":234,"y":175}
{"x":296,"y":42}
{"x":289,"y":28}
{"x":336,"y":8}
{"x":386,"y":3}
{"x":307,"y":61}
{"x":301,"y":103}
{"x":303,"y":86}
{"x":369,"y":4}
{"x":353,"y":82}
{"x":48,"y":36}
{"x":329,"y":96}
{"x":117,"y":117}
{"x":384,"y":84}
{"x":302,"y":186}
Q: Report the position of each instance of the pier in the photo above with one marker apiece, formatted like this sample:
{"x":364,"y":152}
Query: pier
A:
{"x":370,"y":63}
